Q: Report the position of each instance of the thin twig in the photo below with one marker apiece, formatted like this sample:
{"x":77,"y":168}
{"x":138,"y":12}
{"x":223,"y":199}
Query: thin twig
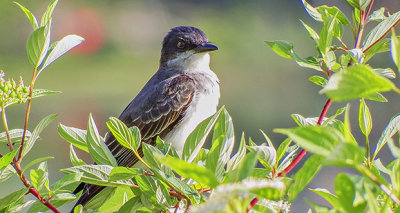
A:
{"x":4,"y":117}
{"x":28,"y":109}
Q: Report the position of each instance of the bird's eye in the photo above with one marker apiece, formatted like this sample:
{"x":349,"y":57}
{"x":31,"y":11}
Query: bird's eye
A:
{"x":180,"y":44}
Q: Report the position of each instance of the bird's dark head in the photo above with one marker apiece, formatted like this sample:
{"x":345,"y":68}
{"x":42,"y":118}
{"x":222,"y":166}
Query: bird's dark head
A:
{"x":183,"y":42}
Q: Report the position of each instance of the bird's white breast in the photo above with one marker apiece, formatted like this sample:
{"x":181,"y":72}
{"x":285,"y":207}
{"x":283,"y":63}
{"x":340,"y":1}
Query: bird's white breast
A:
{"x":203,"y":105}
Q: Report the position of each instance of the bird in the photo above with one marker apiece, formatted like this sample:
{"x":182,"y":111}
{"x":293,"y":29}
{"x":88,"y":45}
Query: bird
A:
{"x":181,"y":94}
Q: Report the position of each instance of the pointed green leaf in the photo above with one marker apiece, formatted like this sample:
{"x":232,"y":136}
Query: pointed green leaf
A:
{"x":97,"y":148}
{"x":73,"y":157}
{"x":62,"y":47}
{"x":222,"y":145}
{"x":266,"y":155}
{"x":12,"y":198}
{"x":97,"y":175}
{"x":7,"y":158}
{"x":15,"y":135}
{"x":7,"y":173}
{"x":381,"y":46}
{"x":245,"y":168}
{"x":75,"y":136}
{"x":315,"y":139}
{"x":318,"y":80}
{"x":123,"y":173}
{"x":38,"y":44}
{"x":333,"y":11}
{"x":304,"y":176}
{"x":326,"y":35}
{"x":364,"y":118}
{"x":356,"y":82}
{"x":30,"y":16}
{"x":198,"y":173}
{"x":36,"y":132}
{"x":196,"y":139}
{"x":282,"y":48}
{"x":38,"y":178}
{"x":312,"y":11}
{"x":49,"y":11}
{"x":395,"y":49}
{"x":378,"y":15}
{"x":238,"y":157}
{"x":36,"y":161}
{"x":345,"y":191}
{"x":123,"y":134}
{"x":359,"y":4}
{"x":345,"y":154}
{"x":391,"y":128}
{"x":381,"y":30}
{"x":313,"y":34}
{"x":331,"y":198}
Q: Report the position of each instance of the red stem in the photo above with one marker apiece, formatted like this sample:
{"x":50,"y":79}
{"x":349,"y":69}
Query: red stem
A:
{"x":42,"y":200}
{"x":301,"y":154}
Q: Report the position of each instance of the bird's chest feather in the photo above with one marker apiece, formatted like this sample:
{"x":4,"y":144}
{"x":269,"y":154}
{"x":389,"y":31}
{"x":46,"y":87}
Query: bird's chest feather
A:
{"x":203,"y":105}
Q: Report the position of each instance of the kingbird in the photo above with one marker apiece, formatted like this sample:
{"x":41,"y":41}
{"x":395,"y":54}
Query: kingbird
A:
{"x":181,"y":94}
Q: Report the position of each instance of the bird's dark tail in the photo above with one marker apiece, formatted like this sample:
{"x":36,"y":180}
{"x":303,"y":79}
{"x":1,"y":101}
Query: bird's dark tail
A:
{"x":89,"y":191}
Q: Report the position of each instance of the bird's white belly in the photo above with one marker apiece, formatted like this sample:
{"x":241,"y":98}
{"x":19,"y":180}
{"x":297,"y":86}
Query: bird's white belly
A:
{"x":202,"y":107}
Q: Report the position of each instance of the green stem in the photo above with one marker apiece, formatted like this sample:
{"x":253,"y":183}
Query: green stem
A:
{"x":363,"y":170}
{"x":368,"y":151}
{"x":4,"y":117}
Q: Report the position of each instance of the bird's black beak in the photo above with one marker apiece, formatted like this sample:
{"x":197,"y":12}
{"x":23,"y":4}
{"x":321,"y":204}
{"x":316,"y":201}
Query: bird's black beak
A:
{"x":207,"y":47}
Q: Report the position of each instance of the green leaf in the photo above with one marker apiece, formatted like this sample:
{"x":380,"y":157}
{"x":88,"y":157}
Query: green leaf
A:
{"x":150,"y":153}
{"x":196,"y":139}
{"x":65,"y":183}
{"x":75,"y":136}
{"x":62,"y":47}
{"x":267,"y":189}
{"x":124,"y":173}
{"x":39,"y":177}
{"x":378,"y":164}
{"x":312,"y":11}
{"x":49,"y":11}
{"x":266,"y":155}
{"x":395,"y":49}
{"x":380,"y":46}
{"x":378,"y":15}
{"x":19,"y":207}
{"x":318,"y":80}
{"x":43,"y":92}
{"x":7,"y":158}
{"x":331,"y":198}
{"x":12,"y":198}
{"x":333,"y":11}
{"x":97,"y":175}
{"x":381,"y":30}
{"x":391,"y":128}
{"x":393,"y":148}
{"x":302,"y":121}
{"x":123,"y":134}
{"x":7,"y":173}
{"x":36,"y":161}
{"x":36,"y":132}
{"x":74,"y":157}
{"x":238,"y":157}
{"x":282,"y":48}
{"x":304,"y":176}
{"x":356,"y":82}
{"x":315,"y":139}
{"x":388,"y":73}
{"x":376,"y":97}
{"x":97,"y":148}
{"x":326,"y":35}
{"x":371,"y":199}
{"x":309,"y":62}
{"x":120,"y":196}
{"x":282,"y":149}
{"x":359,"y":4}
{"x":131,"y":206}
{"x":29,"y":15}
{"x":313,"y":34}
{"x":245,"y":168}
{"x":15,"y":135}
{"x":364,"y":118}
{"x":345,"y":154}
{"x":223,"y":142}
{"x":345,"y":191}
{"x":198,"y":173}
{"x":38,"y":44}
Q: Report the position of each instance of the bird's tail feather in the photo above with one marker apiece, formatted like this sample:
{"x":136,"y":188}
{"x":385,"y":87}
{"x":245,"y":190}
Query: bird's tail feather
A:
{"x":89,"y":191}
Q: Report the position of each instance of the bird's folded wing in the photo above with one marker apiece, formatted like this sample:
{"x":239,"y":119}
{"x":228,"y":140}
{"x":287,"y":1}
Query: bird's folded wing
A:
{"x":155,"y":113}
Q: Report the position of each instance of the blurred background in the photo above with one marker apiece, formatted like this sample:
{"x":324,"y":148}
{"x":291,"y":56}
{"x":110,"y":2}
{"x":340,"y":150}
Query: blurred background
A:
{"x":121,"y":52}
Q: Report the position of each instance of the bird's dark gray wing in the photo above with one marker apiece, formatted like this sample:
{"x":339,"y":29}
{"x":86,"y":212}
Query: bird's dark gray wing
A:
{"x":155,"y":111}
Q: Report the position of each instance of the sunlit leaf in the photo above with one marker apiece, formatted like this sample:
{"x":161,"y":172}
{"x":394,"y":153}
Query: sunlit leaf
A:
{"x":30,"y":16}
{"x":318,"y":80}
{"x":356,"y":82}
{"x":364,"y":118}
{"x":345,"y":191}
{"x":238,"y":157}
{"x":15,"y":135}
{"x":47,"y":14}
{"x":359,"y":4}
{"x":391,"y":128}
{"x":304,"y":175}
{"x":395,"y":49}
{"x":12,"y":198}
{"x":36,"y":132}
{"x":312,"y":11}
{"x":6,"y":159}
{"x":282,"y":48}
{"x":381,"y":30}
{"x":75,"y":136}
{"x":36,"y":161}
